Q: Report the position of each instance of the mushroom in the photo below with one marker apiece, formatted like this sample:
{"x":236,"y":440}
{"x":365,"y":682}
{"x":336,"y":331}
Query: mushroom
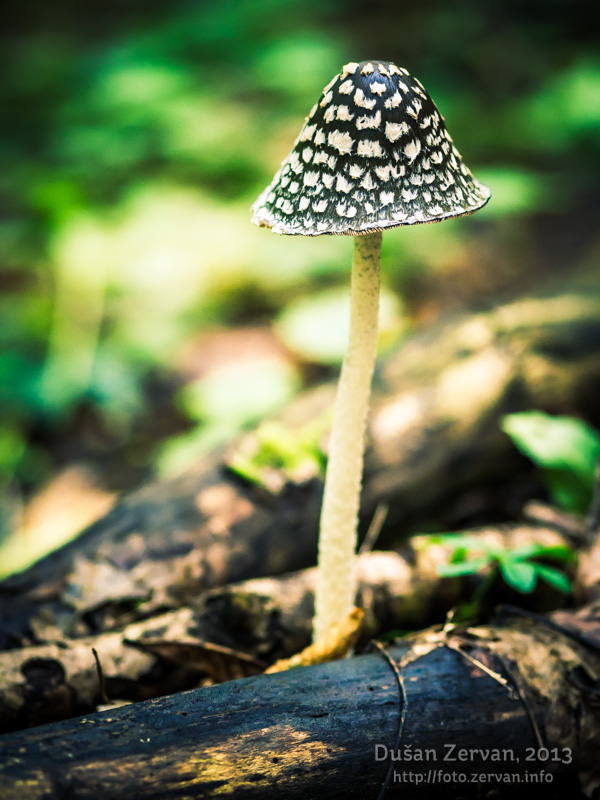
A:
{"x":374,"y":153}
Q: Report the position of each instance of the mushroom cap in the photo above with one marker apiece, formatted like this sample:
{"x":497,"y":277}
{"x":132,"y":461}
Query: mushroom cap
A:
{"x":374,"y":153}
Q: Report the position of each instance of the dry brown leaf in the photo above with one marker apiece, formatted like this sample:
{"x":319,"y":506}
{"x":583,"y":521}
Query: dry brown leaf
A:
{"x":219,"y":663}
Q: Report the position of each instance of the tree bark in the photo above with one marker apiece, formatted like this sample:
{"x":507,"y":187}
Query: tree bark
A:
{"x":434,"y":442}
{"x":515,"y":699}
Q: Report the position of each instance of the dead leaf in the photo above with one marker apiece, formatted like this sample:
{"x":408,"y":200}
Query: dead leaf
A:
{"x":219,"y":663}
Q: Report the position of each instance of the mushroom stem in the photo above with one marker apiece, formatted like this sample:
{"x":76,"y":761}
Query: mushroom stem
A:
{"x":336,"y":583}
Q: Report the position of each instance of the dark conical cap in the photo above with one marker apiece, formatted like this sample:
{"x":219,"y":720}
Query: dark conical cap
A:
{"x":374,"y":153}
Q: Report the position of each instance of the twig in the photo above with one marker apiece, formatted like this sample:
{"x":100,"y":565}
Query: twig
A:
{"x":403,"y":711}
{"x":514,"y":682}
{"x":101,"y":681}
{"x":477,"y":663}
{"x":524,"y":700}
{"x":374,"y":530}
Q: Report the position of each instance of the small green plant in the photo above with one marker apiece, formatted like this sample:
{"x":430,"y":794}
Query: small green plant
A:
{"x":274,"y":454}
{"x":518,"y":567}
{"x":565,"y":448}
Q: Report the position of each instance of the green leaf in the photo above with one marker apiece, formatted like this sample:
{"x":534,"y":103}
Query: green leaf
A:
{"x":458,"y":555}
{"x":13,"y":445}
{"x":566,"y":448}
{"x":555,"y":578}
{"x":240,"y":394}
{"x":557,"y":552}
{"x":568,"y":491}
{"x":463,"y":541}
{"x":518,"y":574}
{"x":517,"y":190}
{"x":317,"y":327}
{"x":294,"y":454}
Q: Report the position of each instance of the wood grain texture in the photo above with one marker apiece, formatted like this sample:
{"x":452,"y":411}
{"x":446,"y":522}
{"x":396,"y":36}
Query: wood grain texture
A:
{"x":314,"y":731}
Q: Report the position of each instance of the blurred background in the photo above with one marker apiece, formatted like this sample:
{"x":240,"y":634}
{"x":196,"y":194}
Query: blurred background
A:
{"x":143,"y":319}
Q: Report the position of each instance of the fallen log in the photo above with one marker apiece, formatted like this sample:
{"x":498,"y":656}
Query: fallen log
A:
{"x":265,"y":619}
{"x":466,"y":710}
{"x":434,"y":439}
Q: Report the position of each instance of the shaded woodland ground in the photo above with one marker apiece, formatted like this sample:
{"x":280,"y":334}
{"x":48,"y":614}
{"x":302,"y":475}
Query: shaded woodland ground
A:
{"x":130,"y":277}
{"x":153,"y":589}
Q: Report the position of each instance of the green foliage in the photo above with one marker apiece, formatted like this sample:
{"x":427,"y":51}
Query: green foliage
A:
{"x":240,"y":394}
{"x":133,"y":147}
{"x":222,"y":404}
{"x":567,"y":107}
{"x":566,"y":449}
{"x":518,"y":567}
{"x":517,"y":190}
{"x":276,"y":452}
{"x":13,"y":447}
{"x":317,"y":327}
